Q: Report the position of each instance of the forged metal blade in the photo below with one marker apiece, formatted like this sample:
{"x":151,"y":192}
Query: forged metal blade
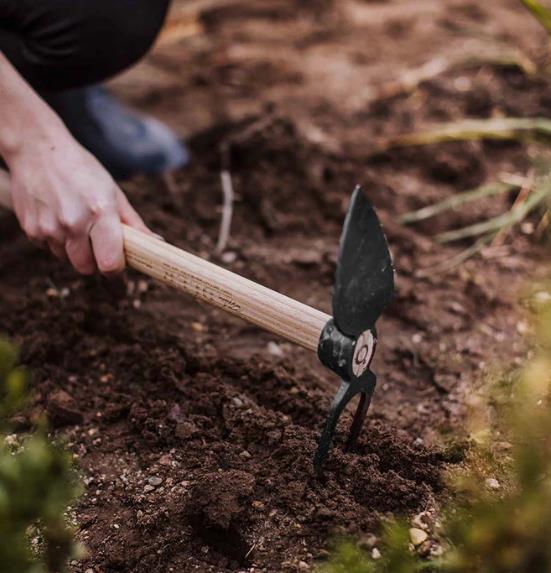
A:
{"x":364,"y":282}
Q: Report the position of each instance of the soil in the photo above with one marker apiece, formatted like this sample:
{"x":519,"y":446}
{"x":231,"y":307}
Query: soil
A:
{"x":193,"y":431}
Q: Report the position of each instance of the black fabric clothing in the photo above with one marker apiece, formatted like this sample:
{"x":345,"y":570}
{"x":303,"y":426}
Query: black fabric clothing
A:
{"x":62,"y":44}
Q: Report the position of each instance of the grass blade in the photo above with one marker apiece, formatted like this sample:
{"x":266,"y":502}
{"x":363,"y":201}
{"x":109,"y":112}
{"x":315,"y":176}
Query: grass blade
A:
{"x":458,"y":200}
{"x":502,"y":128}
{"x":540,"y":12}
{"x":500,"y":222}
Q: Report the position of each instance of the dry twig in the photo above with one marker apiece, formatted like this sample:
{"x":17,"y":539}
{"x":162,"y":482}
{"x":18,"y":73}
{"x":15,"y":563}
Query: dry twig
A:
{"x":227,"y":211}
{"x":520,"y":198}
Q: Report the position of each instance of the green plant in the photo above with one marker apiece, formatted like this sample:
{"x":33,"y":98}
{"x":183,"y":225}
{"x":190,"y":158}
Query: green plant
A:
{"x":37,"y":484}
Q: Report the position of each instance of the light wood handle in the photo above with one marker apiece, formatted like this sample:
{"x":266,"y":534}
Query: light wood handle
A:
{"x":210,"y":283}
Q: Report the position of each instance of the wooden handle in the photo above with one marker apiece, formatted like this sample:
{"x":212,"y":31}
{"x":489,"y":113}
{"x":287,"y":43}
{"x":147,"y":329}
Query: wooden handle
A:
{"x":210,"y":283}
{"x":217,"y":286}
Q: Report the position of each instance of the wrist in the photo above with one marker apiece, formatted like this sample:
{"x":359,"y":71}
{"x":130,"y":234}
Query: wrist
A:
{"x":26,"y":121}
{"x":35,"y":133}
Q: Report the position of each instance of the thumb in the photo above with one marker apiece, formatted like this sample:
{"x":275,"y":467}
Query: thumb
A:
{"x":128,"y":215}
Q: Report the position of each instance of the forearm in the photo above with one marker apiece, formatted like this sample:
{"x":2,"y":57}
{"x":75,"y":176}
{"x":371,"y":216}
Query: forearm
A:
{"x":24,"y":115}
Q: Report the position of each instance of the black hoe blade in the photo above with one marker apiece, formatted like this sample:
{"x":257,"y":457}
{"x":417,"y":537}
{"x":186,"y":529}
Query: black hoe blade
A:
{"x":364,"y":283}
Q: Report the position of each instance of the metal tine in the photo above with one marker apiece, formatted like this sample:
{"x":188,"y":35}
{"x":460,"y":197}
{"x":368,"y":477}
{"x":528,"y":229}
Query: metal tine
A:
{"x":346,"y":392}
{"x":360,"y":415}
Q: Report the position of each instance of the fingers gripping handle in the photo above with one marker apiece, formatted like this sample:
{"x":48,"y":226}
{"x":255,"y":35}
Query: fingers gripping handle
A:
{"x":237,"y":295}
{"x":207,"y":282}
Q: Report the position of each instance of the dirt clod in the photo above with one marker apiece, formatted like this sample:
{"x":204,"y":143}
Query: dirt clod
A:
{"x":62,"y":409}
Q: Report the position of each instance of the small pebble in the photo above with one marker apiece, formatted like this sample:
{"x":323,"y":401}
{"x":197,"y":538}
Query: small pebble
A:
{"x":155,"y":480}
{"x":523,"y":327}
{"x":375,"y":554}
{"x":492,"y":483}
{"x":238,"y":402}
{"x":417,"y":536}
{"x":368,"y":541}
{"x":11,"y":440}
{"x":303,"y":566}
{"x":245,"y":455}
{"x":148,"y":488}
{"x":527,"y":228}
{"x":274,"y":349}
{"x":542,"y":297}
{"x":419,"y":521}
{"x":229,"y":257}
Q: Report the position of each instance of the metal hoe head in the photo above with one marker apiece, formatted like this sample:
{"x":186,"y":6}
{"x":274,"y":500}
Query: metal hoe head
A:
{"x":364,"y":286}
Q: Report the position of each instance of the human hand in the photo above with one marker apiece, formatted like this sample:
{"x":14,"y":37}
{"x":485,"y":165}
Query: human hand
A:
{"x":65,"y":200}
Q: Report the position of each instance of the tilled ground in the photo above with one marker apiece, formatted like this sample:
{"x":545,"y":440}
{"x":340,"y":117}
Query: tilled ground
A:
{"x":194,"y":432}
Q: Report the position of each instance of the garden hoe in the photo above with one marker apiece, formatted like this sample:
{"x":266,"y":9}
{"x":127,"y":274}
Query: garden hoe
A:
{"x":344,"y":342}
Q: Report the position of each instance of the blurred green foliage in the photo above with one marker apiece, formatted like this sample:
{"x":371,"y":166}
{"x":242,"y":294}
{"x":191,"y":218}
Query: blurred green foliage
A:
{"x":37,"y":484}
{"x":504,"y":529}
{"x":541,"y":12}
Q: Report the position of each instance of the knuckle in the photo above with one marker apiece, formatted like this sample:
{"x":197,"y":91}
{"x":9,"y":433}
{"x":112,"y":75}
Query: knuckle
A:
{"x":99,"y":208}
{"x":73,"y":223}
{"x":48,"y":230}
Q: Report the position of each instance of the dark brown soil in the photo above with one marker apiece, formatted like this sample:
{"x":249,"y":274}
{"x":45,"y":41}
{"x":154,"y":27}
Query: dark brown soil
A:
{"x":193,"y":432}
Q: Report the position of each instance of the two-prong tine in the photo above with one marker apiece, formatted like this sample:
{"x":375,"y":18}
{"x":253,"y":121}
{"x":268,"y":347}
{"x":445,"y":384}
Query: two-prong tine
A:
{"x":346,"y":392}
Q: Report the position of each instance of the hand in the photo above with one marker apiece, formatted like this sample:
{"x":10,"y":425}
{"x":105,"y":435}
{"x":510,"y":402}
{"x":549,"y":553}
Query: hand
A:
{"x":65,"y":200}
